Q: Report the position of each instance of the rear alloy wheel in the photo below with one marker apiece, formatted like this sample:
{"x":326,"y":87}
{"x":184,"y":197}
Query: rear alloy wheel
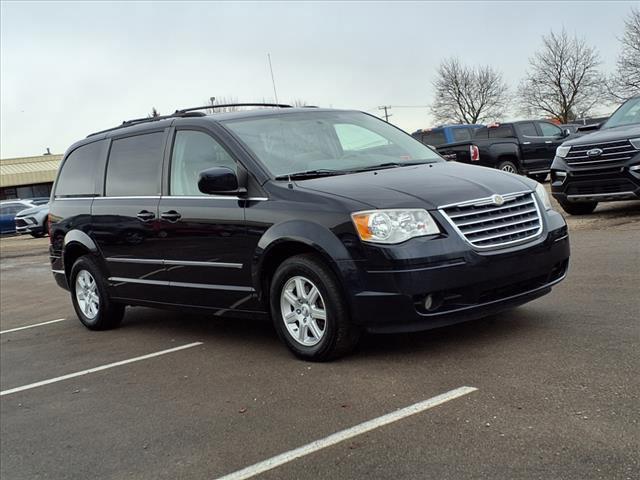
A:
{"x":578,"y":208}
{"x":309,"y":310}
{"x":90,"y":296}
{"x":507,"y":166}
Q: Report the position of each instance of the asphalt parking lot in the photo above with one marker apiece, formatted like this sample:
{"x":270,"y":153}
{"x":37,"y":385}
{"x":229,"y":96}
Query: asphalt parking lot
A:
{"x":557,"y":385}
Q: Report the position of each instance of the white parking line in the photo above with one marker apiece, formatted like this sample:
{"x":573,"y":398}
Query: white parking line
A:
{"x":31,"y":326}
{"x":96,"y":369}
{"x":343,"y":435}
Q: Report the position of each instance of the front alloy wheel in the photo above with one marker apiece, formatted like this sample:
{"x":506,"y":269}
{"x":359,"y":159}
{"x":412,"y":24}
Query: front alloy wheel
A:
{"x":309,"y":310}
{"x":303,"y":311}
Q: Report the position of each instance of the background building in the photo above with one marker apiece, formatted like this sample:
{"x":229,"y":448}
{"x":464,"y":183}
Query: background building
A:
{"x":28,"y":177}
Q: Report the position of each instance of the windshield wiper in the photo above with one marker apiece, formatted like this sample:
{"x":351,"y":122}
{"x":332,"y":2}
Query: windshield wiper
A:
{"x":320,"y":172}
{"x":391,"y":165}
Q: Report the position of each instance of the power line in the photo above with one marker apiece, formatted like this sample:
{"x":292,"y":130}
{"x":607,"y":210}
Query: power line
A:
{"x":386,"y":112}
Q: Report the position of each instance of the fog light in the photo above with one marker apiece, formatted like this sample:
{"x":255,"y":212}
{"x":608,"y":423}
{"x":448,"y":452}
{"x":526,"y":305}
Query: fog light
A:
{"x":558,"y":176}
{"x":432,"y":302}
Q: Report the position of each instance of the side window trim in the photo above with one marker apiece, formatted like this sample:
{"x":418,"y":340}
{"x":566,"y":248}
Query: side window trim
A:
{"x":171,"y":141}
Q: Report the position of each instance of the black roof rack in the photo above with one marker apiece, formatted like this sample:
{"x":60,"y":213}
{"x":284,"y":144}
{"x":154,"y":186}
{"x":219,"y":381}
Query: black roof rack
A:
{"x":188,"y":112}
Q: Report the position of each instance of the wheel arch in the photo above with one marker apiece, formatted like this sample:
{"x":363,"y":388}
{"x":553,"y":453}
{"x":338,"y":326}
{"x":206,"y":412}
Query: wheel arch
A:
{"x":76,"y":243}
{"x":295,"y":238}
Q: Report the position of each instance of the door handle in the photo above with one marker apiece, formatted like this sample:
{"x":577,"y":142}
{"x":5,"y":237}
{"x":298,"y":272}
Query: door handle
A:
{"x":548,"y":141}
{"x":526,"y":143}
{"x":170,"y":216}
{"x":146,"y":215}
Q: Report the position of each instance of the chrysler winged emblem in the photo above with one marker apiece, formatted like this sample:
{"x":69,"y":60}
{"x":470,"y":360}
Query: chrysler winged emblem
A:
{"x":497,"y":200}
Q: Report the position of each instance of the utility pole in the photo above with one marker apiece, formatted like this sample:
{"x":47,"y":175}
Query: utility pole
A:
{"x":386,"y":113}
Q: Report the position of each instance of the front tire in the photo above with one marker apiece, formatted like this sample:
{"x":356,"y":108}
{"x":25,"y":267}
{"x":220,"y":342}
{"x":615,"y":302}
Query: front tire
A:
{"x":90,"y":296}
{"x":578,"y":208}
{"x":309,"y":311}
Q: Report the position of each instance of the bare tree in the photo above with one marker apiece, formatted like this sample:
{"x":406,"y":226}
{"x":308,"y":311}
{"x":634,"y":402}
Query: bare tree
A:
{"x":562,"y":81}
{"x":298,"y":102}
{"x":625,"y":83}
{"x":468,"y":94}
{"x":154,"y":113}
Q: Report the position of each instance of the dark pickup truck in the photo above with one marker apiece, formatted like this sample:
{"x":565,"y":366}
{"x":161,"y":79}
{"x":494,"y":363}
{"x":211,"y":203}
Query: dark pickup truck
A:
{"x":526,"y":147}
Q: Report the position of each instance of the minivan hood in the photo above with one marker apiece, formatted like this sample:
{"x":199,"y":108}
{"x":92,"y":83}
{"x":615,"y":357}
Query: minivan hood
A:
{"x":606,"y":135}
{"x":426,"y":186}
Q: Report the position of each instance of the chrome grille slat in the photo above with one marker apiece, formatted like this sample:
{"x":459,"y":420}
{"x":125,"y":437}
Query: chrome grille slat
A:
{"x":479,"y":212}
{"x":486,"y":226}
{"x":509,"y":215}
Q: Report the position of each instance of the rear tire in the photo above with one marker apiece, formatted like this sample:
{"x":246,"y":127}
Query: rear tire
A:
{"x":318,"y":326}
{"x":508,"y":166}
{"x":90,"y":296}
{"x":578,"y":208}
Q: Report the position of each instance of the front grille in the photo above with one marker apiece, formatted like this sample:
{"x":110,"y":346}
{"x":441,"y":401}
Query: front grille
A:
{"x":20,"y":222}
{"x":486,"y":225}
{"x":612,"y":153}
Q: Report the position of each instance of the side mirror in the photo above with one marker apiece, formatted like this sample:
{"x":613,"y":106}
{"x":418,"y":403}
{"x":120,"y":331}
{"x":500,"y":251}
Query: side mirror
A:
{"x":566,"y":132}
{"x":219,"y":181}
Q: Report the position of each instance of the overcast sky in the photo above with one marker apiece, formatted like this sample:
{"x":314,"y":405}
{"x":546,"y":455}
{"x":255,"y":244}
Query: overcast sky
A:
{"x":71,"y":68}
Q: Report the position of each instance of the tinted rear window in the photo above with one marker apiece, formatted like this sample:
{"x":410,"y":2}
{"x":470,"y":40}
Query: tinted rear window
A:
{"x":434,"y":138}
{"x":135,"y":165}
{"x":503,"y":131}
{"x":461,"y":134}
{"x":527,"y":129}
{"x":78,"y":173}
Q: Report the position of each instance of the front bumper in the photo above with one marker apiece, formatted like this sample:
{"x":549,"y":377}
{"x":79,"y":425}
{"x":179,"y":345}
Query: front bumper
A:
{"x":596,"y":184}
{"x":25,"y":225}
{"x":467,"y":284}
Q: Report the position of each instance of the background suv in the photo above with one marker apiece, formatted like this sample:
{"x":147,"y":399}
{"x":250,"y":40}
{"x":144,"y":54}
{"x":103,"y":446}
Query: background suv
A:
{"x":603,"y":166}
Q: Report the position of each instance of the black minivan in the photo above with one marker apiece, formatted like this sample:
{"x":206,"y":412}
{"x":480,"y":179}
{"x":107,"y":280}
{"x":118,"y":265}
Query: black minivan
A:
{"x":330,"y":222}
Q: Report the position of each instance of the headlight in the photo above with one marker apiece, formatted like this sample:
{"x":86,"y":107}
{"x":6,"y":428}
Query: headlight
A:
{"x":562,"y":151}
{"x":635,"y":142}
{"x":542,"y":195}
{"x":393,"y":226}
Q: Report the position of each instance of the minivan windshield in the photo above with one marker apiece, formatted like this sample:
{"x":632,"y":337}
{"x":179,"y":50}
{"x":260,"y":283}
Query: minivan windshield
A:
{"x":316,"y":143}
{"x":627,"y":114}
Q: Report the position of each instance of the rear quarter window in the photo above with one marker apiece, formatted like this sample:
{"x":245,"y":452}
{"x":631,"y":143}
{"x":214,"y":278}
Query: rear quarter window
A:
{"x":77,"y":177}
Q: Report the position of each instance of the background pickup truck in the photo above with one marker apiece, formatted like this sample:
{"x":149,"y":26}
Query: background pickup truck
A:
{"x":526,"y":147}
{"x":445,"y":134}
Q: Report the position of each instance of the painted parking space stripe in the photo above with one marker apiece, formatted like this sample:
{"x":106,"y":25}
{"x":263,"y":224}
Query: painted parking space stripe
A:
{"x":32,"y":326}
{"x":97,"y":369}
{"x":343,"y":435}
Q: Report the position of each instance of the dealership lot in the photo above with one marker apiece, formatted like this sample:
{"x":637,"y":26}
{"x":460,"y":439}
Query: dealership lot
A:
{"x":557,"y":393}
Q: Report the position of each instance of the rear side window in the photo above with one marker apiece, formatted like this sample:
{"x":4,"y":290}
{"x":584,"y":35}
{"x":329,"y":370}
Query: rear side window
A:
{"x":135,"y":165}
{"x":77,"y":176}
{"x":434,"y":138}
{"x":461,"y":134}
{"x":503,"y":131}
{"x":527,"y":129}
